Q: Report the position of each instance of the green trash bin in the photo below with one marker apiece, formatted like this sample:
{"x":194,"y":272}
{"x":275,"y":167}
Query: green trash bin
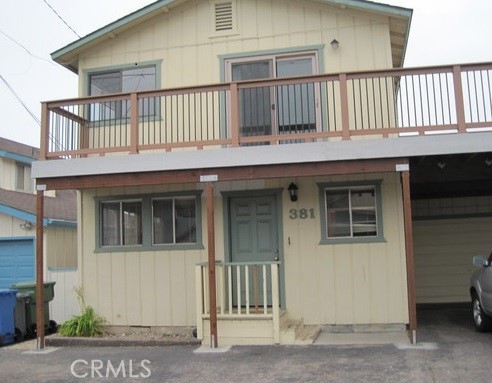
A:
{"x":29,"y":288}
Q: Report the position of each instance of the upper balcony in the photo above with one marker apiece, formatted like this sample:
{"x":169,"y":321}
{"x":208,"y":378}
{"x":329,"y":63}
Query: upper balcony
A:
{"x":345,"y":106}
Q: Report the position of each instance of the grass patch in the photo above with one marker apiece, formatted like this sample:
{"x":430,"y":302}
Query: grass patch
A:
{"x":87,"y":324}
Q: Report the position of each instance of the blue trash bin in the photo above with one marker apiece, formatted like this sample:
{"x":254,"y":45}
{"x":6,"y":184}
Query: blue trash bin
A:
{"x":7,"y":306}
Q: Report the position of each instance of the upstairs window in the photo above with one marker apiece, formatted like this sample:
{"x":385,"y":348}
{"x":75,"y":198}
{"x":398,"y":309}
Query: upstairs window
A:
{"x":121,"y":81}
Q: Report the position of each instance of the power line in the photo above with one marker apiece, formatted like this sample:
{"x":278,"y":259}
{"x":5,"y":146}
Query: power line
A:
{"x":57,"y":141}
{"x":27,"y":50}
{"x":61,"y":18}
{"x":20,"y":100}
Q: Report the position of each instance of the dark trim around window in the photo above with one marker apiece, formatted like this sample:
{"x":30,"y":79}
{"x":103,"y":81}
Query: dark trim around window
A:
{"x":147,"y":223}
{"x":355,"y":185}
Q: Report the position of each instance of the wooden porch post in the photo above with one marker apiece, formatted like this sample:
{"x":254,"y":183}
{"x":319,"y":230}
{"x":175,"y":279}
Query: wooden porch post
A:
{"x":211,"y":265}
{"x":39,"y":267}
{"x":407,"y":216}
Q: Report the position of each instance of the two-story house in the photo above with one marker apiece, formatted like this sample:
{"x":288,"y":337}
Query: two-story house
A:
{"x":249,"y":167}
{"x":17,"y":234}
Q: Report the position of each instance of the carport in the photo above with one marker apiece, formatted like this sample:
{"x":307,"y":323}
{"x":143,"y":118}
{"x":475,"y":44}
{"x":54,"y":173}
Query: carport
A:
{"x":452,"y":222}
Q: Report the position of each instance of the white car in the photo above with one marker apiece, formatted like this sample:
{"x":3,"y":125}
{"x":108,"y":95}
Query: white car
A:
{"x":481,"y":293}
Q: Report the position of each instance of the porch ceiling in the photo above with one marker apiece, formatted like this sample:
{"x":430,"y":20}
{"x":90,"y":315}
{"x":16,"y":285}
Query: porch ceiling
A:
{"x":457,"y":175}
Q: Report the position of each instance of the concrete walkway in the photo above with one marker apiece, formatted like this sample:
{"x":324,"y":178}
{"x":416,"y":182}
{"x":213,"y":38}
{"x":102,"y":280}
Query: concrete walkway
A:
{"x":362,"y":338}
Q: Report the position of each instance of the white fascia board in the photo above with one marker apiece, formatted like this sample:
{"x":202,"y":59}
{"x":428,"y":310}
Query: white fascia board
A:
{"x":327,"y":151}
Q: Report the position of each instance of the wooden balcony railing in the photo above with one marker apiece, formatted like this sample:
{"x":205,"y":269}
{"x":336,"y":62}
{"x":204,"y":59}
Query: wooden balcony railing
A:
{"x":398,"y":102}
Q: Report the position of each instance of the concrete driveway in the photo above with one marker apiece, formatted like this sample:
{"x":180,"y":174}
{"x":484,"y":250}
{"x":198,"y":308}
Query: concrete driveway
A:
{"x":450,"y":351}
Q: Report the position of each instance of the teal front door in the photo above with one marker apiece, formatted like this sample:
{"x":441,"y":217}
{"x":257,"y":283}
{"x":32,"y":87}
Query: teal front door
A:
{"x":254,"y":239}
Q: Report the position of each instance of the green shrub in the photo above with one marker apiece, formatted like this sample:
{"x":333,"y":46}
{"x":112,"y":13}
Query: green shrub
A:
{"x":87,"y":324}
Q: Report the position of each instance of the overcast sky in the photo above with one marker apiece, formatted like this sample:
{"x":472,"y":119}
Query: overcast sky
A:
{"x":442,"y":32}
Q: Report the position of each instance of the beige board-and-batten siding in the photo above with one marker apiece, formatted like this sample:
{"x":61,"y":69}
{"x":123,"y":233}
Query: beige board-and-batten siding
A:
{"x":448,"y":233}
{"x":147,"y":288}
{"x":363,"y":283}
{"x":61,"y":247}
{"x":324,"y":284}
{"x":189,"y":49}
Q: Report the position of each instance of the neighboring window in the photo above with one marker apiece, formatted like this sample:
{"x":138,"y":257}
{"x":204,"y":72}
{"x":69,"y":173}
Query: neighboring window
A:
{"x":351,"y":213}
{"x":122,"y":81}
{"x":174,"y":221}
{"x":21,"y":174}
{"x":121,"y":223}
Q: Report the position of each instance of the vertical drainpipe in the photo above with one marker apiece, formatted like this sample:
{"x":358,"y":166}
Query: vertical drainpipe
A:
{"x":39,"y":266}
{"x":407,"y":217}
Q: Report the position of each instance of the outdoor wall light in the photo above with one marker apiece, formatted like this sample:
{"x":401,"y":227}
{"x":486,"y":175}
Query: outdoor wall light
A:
{"x":26,"y":226}
{"x":334,"y":43}
{"x":292,"y":191}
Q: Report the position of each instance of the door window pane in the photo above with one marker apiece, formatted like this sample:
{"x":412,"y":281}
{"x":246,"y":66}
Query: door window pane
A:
{"x":277,"y":109}
{"x":296,"y":103}
{"x":251,"y":71}
{"x":255,"y":103}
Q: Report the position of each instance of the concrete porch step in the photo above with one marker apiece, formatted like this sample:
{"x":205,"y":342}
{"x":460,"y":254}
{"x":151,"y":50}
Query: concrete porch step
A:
{"x":294,"y":331}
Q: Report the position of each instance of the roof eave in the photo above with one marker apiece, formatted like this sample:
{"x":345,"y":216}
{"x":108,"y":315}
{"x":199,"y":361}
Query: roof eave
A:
{"x":66,"y":56}
{"x":391,"y":10}
{"x":62,"y":55}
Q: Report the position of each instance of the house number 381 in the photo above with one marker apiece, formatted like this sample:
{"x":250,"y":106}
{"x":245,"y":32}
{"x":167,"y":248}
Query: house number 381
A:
{"x":301,"y":213}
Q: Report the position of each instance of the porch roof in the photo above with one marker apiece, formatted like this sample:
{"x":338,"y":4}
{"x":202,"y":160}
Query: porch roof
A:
{"x":68,"y":55}
{"x":301,"y":153}
{"x":18,"y":151}
{"x":62,"y":208}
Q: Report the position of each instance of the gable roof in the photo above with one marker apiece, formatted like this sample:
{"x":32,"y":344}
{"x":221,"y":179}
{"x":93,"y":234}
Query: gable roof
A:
{"x":399,"y":28}
{"x":17,"y":151}
{"x":57,"y":210}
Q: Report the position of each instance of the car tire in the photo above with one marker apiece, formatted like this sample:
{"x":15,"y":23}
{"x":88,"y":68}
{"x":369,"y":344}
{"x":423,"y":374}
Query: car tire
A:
{"x":481,"y":321}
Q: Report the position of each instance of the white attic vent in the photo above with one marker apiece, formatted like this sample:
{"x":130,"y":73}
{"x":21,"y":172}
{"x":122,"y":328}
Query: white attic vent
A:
{"x":223,"y":16}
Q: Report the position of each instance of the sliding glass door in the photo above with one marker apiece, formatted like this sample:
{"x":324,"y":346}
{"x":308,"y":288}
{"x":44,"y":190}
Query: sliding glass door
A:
{"x":282,"y":109}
